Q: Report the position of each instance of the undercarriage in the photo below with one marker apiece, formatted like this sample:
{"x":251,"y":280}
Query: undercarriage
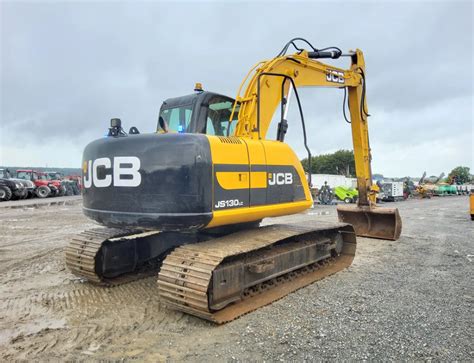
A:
{"x":216,"y":276}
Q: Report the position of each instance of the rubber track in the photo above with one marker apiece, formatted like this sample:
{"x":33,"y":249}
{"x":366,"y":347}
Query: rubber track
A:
{"x":185,"y":276}
{"x":83,"y":249}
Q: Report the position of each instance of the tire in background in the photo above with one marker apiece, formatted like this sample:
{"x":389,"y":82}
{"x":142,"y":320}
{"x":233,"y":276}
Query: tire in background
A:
{"x":62,"y":191}
{"x":5,"y":194}
{"x":42,"y":191}
{"x":69,"y":190}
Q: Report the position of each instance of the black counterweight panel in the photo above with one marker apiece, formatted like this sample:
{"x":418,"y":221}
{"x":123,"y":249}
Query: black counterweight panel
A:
{"x":175,"y":187}
{"x":279,"y":188}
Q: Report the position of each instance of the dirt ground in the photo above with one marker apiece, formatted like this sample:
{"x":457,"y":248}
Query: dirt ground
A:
{"x":409,"y":299}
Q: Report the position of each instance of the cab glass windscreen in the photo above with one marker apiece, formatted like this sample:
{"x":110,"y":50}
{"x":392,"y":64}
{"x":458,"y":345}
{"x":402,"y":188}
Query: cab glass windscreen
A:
{"x":177,"y":118}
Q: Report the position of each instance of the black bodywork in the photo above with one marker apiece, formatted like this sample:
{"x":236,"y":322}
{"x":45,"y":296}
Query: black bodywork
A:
{"x":29,"y":186}
{"x":8,"y":183}
{"x":178,"y":187}
{"x":17,"y":191}
{"x":174,"y":191}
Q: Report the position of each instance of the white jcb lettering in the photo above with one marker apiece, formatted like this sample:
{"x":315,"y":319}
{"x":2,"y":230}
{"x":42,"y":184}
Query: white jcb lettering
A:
{"x":280,"y":178}
{"x":87,"y":170}
{"x":132,"y":171}
{"x":105,"y":182}
{"x":334,"y":76}
{"x":125,"y":172}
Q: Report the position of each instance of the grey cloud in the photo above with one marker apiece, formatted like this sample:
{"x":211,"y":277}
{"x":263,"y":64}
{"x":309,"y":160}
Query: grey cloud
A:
{"x":67,"y":68}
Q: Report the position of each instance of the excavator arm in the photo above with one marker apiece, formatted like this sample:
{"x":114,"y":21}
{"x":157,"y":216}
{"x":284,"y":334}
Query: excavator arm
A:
{"x":270,"y":84}
{"x":264,"y":93}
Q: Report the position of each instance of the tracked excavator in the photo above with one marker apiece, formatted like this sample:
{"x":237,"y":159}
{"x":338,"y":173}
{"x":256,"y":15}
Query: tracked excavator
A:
{"x":188,"y":199}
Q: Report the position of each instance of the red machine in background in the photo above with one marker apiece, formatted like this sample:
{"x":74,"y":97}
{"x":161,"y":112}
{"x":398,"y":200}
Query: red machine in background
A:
{"x":44,"y":186}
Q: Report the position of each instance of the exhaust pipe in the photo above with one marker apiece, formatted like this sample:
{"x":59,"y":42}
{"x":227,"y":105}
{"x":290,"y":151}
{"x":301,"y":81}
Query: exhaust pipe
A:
{"x":372,"y":222}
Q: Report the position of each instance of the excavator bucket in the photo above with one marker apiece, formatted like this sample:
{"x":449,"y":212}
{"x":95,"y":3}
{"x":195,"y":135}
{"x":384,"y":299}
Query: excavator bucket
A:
{"x":372,"y":222}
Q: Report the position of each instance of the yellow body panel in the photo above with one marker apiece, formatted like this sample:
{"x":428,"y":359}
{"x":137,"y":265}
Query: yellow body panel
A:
{"x":238,"y":180}
{"x":258,"y":179}
{"x":255,"y":179}
{"x":241,"y":215}
{"x":256,"y":151}
{"x":233,"y":180}
{"x":228,"y":150}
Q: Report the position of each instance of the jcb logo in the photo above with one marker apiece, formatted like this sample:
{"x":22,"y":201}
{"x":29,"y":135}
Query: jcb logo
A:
{"x":280,"y":178}
{"x":125,"y":172}
{"x":334,"y":76}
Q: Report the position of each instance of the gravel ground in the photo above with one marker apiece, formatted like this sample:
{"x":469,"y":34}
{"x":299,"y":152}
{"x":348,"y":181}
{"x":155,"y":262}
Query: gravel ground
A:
{"x":35,"y":202}
{"x":406,"y":300}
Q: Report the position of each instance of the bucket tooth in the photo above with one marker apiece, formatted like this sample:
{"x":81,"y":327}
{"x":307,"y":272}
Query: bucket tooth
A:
{"x":372,"y":222}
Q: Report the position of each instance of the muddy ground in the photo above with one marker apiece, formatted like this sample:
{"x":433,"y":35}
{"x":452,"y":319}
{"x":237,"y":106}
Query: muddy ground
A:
{"x":410,"y":299}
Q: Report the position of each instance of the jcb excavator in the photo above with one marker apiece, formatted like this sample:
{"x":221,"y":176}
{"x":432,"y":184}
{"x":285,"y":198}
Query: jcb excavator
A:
{"x":189,"y":198}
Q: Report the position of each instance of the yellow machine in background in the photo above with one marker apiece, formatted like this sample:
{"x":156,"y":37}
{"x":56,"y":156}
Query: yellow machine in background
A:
{"x":192,"y":194}
{"x":471,"y":204}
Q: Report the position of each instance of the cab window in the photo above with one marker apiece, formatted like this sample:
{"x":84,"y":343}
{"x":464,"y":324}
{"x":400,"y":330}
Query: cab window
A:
{"x":23,"y":175}
{"x":220,"y":110}
{"x":178,"y":118}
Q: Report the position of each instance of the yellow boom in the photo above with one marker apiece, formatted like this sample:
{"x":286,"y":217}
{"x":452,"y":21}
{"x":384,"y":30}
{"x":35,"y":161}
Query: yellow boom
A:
{"x":269,"y":80}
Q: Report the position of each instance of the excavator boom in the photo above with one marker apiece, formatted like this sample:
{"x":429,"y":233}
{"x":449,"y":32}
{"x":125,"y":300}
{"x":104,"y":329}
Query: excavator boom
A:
{"x":270,"y":86}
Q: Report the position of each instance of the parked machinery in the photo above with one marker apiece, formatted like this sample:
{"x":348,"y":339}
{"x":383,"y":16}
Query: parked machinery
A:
{"x":74,"y":184}
{"x":463,"y":189}
{"x":432,"y":186}
{"x":58,"y":180}
{"x":409,"y":188}
{"x":346,"y":194}
{"x":44,"y":187}
{"x":422,"y":190}
{"x":326,"y":194}
{"x":447,"y":189}
{"x":392,"y":191}
{"x":11,"y":188}
{"x":26,"y":192}
{"x":193,"y":194}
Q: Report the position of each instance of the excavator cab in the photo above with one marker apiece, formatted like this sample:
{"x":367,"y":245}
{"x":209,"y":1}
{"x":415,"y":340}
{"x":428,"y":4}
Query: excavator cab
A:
{"x":200,"y":113}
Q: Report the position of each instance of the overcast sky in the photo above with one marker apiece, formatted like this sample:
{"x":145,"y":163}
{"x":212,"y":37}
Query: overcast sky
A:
{"x":67,"y":68}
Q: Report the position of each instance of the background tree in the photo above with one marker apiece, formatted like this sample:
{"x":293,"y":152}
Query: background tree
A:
{"x":460,"y":175}
{"x":340,"y":163}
